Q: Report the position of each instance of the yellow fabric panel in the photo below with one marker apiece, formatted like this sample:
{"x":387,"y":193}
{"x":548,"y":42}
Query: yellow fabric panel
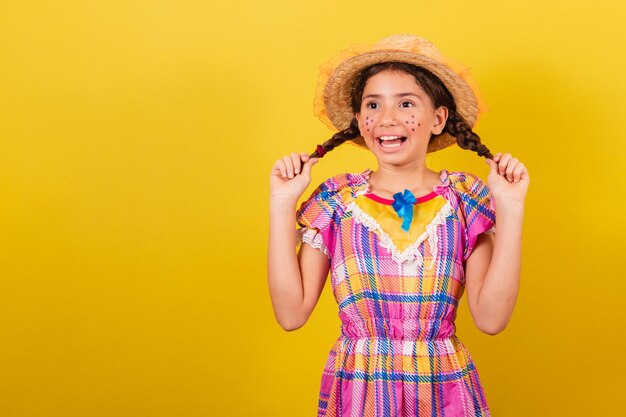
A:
{"x":391,"y":223}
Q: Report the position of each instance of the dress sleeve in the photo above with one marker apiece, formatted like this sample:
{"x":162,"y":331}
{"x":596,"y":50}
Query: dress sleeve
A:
{"x":479,"y":211}
{"x":316,"y":220}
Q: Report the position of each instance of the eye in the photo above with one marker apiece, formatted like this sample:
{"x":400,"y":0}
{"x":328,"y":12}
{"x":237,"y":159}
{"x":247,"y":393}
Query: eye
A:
{"x":407,"y":104}
{"x":371,"y":105}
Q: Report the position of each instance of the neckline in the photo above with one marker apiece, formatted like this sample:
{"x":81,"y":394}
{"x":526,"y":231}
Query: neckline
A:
{"x":388,"y":202}
{"x":437,"y":188}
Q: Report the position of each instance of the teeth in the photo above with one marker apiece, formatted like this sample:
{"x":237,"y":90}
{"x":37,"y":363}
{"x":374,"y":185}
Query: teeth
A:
{"x":389,"y":137}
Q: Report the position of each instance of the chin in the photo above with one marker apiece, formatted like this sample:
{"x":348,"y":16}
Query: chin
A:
{"x":406,"y":153}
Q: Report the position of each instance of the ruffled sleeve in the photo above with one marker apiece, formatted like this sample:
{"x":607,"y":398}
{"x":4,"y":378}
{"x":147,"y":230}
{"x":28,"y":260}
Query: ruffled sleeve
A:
{"x":477,"y":207}
{"x":316,"y":219}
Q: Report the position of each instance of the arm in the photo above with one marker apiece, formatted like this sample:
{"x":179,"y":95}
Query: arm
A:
{"x":492,"y":272}
{"x":295,"y":282}
{"x":493,"y":268}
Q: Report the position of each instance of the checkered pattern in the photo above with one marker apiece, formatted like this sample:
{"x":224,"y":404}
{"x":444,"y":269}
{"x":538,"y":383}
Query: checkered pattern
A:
{"x":398,"y":354}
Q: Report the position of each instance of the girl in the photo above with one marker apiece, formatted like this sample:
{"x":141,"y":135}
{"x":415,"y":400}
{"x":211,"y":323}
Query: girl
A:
{"x":401,"y":243}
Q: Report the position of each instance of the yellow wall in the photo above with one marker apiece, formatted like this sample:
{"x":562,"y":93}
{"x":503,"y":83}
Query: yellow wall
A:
{"x":136,"y":142}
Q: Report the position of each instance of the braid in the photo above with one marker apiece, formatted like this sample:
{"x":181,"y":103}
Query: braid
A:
{"x":352,"y":132}
{"x":465,"y":137}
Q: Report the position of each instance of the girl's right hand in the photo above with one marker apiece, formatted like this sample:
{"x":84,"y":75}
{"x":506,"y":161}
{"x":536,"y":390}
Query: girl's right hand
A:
{"x":291,"y":175}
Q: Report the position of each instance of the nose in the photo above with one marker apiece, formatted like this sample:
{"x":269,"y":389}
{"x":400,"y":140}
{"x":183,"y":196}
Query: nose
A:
{"x":388,"y":116}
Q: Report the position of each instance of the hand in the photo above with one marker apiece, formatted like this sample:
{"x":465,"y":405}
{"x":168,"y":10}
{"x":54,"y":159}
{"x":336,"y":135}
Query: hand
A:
{"x":508,"y":178}
{"x":291,"y":175}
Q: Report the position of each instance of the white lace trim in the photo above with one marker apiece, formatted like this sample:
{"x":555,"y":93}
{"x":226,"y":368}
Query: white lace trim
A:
{"x":492,"y":229}
{"x":412,"y":252}
{"x":312,"y":237}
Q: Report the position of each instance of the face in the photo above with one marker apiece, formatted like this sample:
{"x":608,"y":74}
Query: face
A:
{"x":397,"y":118}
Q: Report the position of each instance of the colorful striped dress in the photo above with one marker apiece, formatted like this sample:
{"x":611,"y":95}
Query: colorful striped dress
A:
{"x":398,"y":292}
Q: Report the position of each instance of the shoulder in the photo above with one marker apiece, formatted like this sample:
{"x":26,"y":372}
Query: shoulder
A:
{"x":468,"y":185}
{"x":472,"y":193}
{"x":339,"y":184}
{"x":477,"y":208}
{"x":331,"y":195}
{"x":474,"y":200}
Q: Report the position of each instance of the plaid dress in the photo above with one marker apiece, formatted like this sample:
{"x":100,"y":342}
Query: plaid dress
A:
{"x":398,"y":292}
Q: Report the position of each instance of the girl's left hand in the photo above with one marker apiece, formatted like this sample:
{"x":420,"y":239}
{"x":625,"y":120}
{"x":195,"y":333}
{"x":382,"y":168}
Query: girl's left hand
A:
{"x":508,"y":177}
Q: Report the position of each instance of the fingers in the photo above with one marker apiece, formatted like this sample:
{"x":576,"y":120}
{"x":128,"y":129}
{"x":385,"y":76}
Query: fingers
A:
{"x":298,"y":160}
{"x":279,"y":166}
{"x":292,"y":164}
{"x":502,"y":163}
{"x":295,"y":160}
{"x":288,"y":165}
{"x":306,"y":169}
{"x":505,"y":164}
{"x":523,"y":175}
{"x":511,"y":168}
{"x":518,"y":171}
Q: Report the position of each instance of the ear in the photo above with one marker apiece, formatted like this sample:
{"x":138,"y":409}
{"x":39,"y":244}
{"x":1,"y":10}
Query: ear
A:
{"x":441,"y":116}
{"x":357,"y":116}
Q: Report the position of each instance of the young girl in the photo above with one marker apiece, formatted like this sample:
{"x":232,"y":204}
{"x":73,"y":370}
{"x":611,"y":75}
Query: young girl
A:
{"x":401,"y":243}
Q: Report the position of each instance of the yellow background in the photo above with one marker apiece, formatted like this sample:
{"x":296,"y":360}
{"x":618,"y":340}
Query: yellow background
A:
{"x":136,"y":142}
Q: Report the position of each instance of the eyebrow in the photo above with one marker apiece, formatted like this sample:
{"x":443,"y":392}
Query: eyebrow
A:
{"x":397,"y":95}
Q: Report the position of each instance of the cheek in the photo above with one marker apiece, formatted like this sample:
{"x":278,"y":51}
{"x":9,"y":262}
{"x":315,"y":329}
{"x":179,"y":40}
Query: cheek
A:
{"x":410,"y":122}
{"x":369,"y":123}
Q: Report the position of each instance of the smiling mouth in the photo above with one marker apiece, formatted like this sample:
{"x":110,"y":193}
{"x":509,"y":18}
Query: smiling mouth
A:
{"x":391,"y":141}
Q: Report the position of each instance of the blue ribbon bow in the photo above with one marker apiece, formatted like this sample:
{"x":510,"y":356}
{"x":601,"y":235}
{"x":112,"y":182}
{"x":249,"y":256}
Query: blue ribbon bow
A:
{"x":403,"y":205}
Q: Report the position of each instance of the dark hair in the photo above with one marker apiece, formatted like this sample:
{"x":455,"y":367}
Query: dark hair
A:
{"x":456,"y":125}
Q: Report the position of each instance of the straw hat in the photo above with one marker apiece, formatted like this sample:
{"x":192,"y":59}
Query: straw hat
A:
{"x":336,"y":79}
